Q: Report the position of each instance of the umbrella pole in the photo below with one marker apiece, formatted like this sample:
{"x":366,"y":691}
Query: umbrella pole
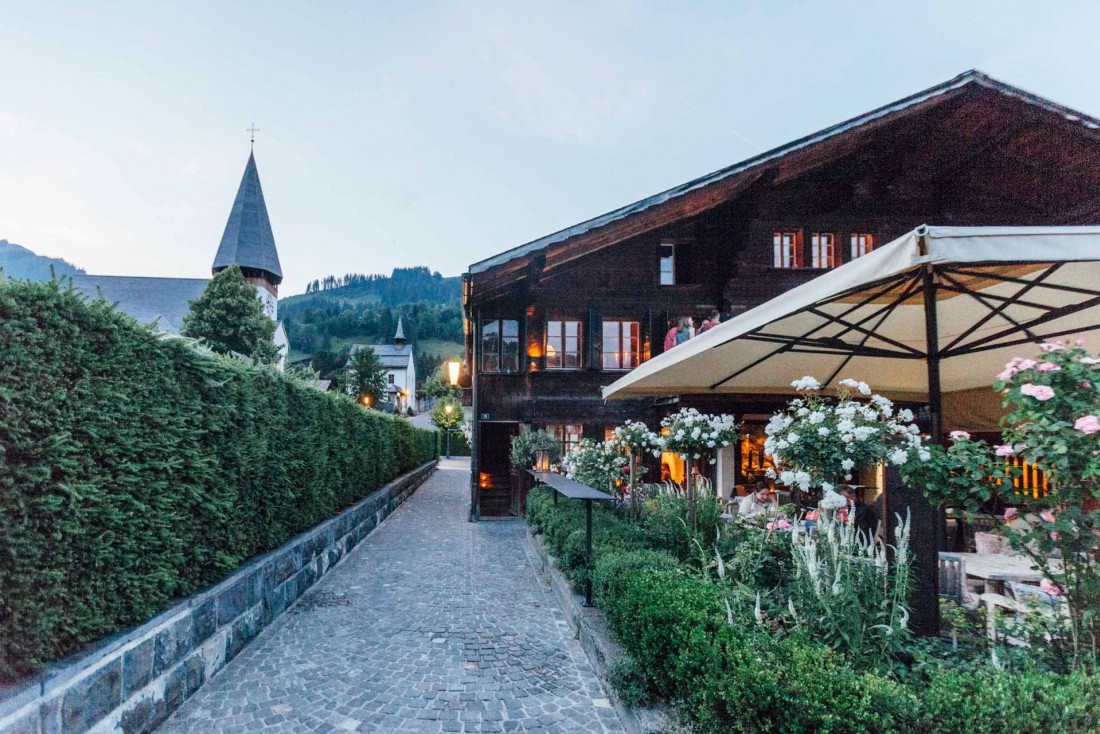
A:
{"x":925,"y":520}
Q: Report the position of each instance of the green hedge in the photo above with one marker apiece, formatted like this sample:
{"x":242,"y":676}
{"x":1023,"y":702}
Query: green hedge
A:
{"x":135,"y":470}
{"x":459,"y":445}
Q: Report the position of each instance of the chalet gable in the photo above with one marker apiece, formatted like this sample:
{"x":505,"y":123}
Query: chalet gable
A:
{"x":969,"y":148}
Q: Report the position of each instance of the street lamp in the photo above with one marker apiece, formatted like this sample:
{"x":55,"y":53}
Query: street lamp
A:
{"x":365,"y":400}
{"x":448,"y":409}
{"x":453,"y":369}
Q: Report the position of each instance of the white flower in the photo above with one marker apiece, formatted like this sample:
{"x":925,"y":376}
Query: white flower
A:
{"x":786,"y":477}
{"x":898,"y":457}
{"x":924,"y":455}
{"x":769,"y":473}
{"x":780,"y":445}
{"x":823,"y":431}
{"x":827,"y":487}
{"x":845,"y":425}
{"x":847,"y":464}
{"x":864,"y":388}
{"x":905,"y":415}
{"x":816,"y":417}
{"x":806,"y":383}
{"x":793,"y":437}
{"x":833,"y":501}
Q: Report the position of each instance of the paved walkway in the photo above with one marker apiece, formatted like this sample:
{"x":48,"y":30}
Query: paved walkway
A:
{"x":432,"y":624}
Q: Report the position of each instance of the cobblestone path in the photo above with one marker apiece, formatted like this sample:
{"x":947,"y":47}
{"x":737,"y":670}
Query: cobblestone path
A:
{"x":432,"y":624}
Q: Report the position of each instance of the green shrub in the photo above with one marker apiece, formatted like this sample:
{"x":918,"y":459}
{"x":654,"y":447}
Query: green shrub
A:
{"x":1010,"y":703}
{"x":459,"y":445}
{"x":135,"y":470}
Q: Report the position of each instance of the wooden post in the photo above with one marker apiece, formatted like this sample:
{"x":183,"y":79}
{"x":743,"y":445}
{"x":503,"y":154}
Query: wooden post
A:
{"x":587,"y":552}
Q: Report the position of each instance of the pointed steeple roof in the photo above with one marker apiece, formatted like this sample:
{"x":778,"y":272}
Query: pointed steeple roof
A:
{"x":248,"y":241}
{"x":399,"y":337}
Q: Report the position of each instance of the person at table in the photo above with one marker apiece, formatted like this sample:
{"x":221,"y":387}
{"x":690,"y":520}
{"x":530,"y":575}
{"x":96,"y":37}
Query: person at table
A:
{"x":758,"y":503}
{"x":865,"y":520}
{"x":711,"y":321}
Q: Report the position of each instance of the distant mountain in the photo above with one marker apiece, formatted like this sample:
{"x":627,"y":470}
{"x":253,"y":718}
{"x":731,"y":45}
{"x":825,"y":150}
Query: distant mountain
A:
{"x":18,"y":262}
{"x":404,"y":285}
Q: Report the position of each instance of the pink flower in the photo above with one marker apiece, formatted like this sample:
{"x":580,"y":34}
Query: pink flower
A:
{"x":1039,"y":392}
{"x":1080,"y":342}
{"x":1053,"y":347}
{"x":1049,"y":587}
{"x":959,"y":436}
{"x":1054,"y":536}
{"x":1010,"y":513}
{"x":770,"y":526}
{"x":1008,"y":374}
{"x":1087,"y":424}
{"x":1004,"y":450}
{"x":1046,"y":516}
{"x":1047,"y":367}
{"x":783,"y":524}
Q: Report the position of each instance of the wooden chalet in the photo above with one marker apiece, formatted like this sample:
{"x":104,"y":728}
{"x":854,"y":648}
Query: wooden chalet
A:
{"x":551,"y":322}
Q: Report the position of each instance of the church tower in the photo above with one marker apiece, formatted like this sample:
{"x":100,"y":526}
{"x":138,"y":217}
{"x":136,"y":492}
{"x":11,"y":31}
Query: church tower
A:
{"x":249,"y":243}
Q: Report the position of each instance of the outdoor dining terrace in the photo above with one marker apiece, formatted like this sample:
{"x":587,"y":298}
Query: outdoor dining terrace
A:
{"x":887,"y":555}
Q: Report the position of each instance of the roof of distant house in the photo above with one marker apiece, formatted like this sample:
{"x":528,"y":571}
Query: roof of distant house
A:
{"x":248,"y":241}
{"x":391,"y":356}
{"x":159,"y":302}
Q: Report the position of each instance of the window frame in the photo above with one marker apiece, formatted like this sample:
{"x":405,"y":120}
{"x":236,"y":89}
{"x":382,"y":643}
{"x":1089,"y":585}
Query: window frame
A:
{"x":779,"y":259}
{"x":499,"y":353}
{"x":862,"y":243}
{"x":564,"y":338}
{"x":636,"y":337}
{"x":816,"y":250}
{"x":559,"y":432}
{"x":661,"y":259}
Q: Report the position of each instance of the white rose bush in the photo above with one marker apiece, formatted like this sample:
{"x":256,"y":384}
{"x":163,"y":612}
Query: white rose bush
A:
{"x":694,"y":436}
{"x":820,"y":441}
{"x":595,"y":464}
{"x":634,"y":439}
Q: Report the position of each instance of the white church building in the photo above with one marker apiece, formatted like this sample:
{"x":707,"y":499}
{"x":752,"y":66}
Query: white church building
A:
{"x":247,"y":242}
{"x":400,"y":366}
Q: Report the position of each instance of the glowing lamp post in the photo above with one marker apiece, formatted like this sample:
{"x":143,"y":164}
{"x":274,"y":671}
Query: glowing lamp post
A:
{"x":453,"y":369}
{"x":365,"y":400}
{"x":448,"y":409}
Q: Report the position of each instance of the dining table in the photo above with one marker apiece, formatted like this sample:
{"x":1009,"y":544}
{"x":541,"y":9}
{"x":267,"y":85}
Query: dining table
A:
{"x":996,"y":569}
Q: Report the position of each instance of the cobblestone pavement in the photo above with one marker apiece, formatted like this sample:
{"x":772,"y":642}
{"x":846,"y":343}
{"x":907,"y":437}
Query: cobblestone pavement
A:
{"x":432,"y":624}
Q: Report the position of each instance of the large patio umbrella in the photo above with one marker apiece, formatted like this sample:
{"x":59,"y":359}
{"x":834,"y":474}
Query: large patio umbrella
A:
{"x":938,"y":310}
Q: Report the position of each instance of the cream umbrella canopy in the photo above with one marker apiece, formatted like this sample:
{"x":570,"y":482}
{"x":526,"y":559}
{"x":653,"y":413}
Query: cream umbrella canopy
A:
{"x":963,"y":299}
{"x":935,"y":311}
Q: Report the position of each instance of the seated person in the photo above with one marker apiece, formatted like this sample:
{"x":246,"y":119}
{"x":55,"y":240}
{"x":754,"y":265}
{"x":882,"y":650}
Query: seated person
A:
{"x":757,"y":504}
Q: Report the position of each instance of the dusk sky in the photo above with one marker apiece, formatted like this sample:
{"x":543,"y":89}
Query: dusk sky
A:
{"x":438,"y":134}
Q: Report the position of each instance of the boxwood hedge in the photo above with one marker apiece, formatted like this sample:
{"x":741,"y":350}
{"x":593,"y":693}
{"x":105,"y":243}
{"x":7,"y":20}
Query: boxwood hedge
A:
{"x":135,"y":470}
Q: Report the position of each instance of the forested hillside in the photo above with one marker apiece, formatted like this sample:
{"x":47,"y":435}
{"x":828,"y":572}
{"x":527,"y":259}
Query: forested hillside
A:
{"x":337,"y":312}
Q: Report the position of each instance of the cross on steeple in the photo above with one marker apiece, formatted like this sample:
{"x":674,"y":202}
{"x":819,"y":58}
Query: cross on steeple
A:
{"x":253,"y":130}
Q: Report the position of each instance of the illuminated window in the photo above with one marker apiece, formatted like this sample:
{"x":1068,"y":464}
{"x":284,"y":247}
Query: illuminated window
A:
{"x":568,"y":435}
{"x":788,"y":249}
{"x":862,"y":244}
{"x":823,"y":250}
{"x":621,"y":342}
{"x":668,"y":263}
{"x":563,"y":344}
{"x":500,"y":346}
{"x":608,"y":433}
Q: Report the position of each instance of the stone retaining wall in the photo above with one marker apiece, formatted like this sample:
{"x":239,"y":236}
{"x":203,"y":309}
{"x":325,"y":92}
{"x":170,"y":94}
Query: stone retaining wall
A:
{"x":133,"y":682}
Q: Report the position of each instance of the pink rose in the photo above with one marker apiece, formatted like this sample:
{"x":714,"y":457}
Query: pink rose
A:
{"x":1008,"y":374}
{"x":1004,"y":450}
{"x":1054,"y":536}
{"x":1010,"y":513}
{"x":783,"y":524}
{"x":1080,"y":342}
{"x":770,"y":526}
{"x":1047,"y":367}
{"x":959,"y":436}
{"x":1046,"y":516}
{"x":1025,"y":364}
{"x":1053,"y":347}
{"x":1087,"y":424}
{"x":1049,"y":587}
{"x":1039,"y":392}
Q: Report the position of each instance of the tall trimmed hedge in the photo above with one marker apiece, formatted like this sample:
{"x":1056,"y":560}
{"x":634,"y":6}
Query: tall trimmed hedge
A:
{"x":135,"y":470}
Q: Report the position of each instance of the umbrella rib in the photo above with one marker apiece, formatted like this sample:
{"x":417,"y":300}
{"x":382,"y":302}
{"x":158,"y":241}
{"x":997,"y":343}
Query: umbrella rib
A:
{"x":847,"y":359}
{"x":1057,"y":313}
{"x":1023,"y":340}
{"x":1024,"y":281}
{"x":998,"y":310}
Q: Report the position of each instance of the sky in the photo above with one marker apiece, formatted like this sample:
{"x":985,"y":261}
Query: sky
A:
{"x":441,"y":133}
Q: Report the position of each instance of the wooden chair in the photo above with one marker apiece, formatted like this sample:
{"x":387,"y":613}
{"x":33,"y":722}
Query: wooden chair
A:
{"x":1022,"y":601}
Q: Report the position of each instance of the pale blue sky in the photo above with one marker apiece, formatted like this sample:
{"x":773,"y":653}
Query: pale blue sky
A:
{"x":409,"y":133}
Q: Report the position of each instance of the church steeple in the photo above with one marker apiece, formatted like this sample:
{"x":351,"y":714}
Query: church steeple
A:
{"x":399,"y":336}
{"x":248,"y":241}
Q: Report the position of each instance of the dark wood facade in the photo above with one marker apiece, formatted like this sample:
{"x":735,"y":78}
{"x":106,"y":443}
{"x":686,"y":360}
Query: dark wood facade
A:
{"x":972,"y":151}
